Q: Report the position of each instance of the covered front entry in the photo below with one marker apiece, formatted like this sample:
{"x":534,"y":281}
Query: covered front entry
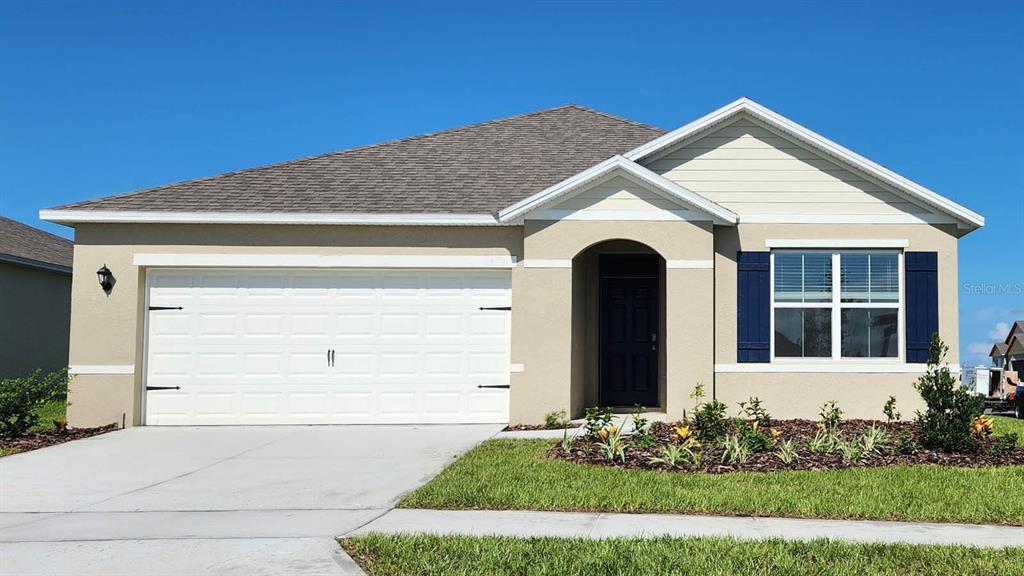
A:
{"x":618,"y":326}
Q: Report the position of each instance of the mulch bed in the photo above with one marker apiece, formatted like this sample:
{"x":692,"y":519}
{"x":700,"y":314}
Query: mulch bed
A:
{"x":585,"y":451}
{"x":36,"y":440}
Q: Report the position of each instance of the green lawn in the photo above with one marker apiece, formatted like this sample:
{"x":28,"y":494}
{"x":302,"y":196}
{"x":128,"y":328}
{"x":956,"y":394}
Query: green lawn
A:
{"x":1006,"y":425}
{"x":515,"y":474}
{"x":384,"y":555}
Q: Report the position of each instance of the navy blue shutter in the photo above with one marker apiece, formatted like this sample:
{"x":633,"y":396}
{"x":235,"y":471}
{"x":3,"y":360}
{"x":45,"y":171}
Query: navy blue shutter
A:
{"x":922,"y":316}
{"x":753,"y":305}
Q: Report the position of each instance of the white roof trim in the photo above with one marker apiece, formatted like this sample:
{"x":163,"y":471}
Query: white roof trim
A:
{"x":674,"y":191}
{"x":966,"y":217}
{"x":116,"y":216}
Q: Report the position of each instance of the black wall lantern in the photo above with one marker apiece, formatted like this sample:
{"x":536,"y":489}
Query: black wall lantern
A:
{"x":106,"y":279}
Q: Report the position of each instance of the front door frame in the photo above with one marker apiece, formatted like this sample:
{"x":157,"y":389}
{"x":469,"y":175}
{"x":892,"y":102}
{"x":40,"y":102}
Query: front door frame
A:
{"x":642,"y":267}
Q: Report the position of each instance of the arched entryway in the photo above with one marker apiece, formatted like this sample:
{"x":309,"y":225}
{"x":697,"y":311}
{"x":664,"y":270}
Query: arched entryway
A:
{"x":618,"y":325}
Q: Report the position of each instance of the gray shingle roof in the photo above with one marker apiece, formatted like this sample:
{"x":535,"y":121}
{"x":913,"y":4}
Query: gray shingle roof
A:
{"x":23,"y":243}
{"x":480,"y":168}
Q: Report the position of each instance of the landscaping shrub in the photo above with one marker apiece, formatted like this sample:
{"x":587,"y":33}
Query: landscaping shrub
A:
{"x":1002,"y":445}
{"x":891,"y":414}
{"x":597,"y":419}
{"x":710,"y":421}
{"x":831,"y":416}
{"x":556,"y":420}
{"x":950,"y":410}
{"x":753,"y":410}
{"x":20,"y":399}
{"x":642,"y":436}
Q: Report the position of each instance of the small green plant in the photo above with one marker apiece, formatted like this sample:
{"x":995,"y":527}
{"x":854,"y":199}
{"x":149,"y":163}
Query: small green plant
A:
{"x":611,"y":444}
{"x":1002,"y":445}
{"x":709,"y":419}
{"x":21,"y":398}
{"x":823,"y":441}
{"x":568,"y":440}
{"x":672,"y":455}
{"x":906,"y":444}
{"x":950,"y":409}
{"x":734,"y":450}
{"x":556,"y":420}
{"x":890,"y":411}
{"x":754,"y":411}
{"x":873,"y":438}
{"x":754,"y":436}
{"x":831,"y":416}
{"x":697,"y":395}
{"x":786,"y":452}
{"x":597,"y":419}
{"x":850,"y":451}
{"x":642,"y":436}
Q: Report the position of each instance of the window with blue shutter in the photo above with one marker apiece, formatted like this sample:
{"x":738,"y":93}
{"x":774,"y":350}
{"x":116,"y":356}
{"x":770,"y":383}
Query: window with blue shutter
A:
{"x":753,"y":306}
{"x":922,"y":279}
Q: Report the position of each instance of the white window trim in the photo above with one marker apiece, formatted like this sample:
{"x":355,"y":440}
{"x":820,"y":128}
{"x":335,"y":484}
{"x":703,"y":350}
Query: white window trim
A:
{"x":836,"y":305}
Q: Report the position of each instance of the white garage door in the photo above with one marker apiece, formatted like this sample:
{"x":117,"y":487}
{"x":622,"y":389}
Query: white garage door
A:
{"x":338,"y":346}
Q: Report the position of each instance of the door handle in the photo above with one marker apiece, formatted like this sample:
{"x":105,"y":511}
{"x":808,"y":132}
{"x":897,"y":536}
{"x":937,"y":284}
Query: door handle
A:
{"x":654,"y":340}
{"x":330,"y":357}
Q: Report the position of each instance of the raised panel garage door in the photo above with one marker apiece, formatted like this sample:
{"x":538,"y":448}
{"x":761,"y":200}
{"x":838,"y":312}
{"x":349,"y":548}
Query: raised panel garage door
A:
{"x":327,"y":347}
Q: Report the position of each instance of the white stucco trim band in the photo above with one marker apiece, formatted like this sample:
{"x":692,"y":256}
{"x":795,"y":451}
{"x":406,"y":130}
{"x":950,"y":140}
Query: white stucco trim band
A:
{"x":824,"y":368}
{"x":689,"y":264}
{"x":837,"y":243}
{"x":542,"y":263}
{"x":321,"y":261}
{"x":101,"y":369}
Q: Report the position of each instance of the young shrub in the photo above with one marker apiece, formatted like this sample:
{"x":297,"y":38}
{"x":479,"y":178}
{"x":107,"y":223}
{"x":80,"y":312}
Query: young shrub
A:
{"x":597,"y":419}
{"x":642,"y":437}
{"x":709,"y":419}
{"x":754,"y":437}
{"x":753,"y":410}
{"x":950,"y":410}
{"x":906,"y":444}
{"x":556,"y":420}
{"x":611,"y":444}
{"x":734,"y":450}
{"x":20,"y":399}
{"x":823,"y":441}
{"x":831,"y":416}
{"x":568,"y":440}
{"x":891,"y":414}
{"x":850,"y":451}
{"x":787,"y":452}
{"x":1003,"y":445}
{"x":672,"y":455}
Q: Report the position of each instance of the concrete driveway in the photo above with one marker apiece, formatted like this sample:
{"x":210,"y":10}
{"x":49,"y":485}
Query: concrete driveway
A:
{"x":211,"y":500}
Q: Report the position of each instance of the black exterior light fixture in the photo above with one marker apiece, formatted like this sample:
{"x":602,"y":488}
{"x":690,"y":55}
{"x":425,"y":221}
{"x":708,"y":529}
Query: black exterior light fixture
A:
{"x":106,"y":279}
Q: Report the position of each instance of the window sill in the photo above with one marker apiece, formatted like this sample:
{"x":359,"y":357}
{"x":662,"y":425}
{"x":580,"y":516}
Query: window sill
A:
{"x":824,"y":368}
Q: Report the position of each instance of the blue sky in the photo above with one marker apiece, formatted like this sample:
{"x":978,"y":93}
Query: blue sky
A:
{"x":99,"y":98}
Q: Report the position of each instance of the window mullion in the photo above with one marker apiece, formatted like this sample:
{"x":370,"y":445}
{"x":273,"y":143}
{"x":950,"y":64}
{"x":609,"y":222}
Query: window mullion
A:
{"x":836,"y":311}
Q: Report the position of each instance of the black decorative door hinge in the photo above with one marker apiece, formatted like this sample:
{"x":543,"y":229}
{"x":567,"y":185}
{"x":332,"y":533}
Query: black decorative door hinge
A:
{"x":493,"y":386}
{"x":165,"y":308}
{"x":495,"y":307}
{"x":163,"y":387}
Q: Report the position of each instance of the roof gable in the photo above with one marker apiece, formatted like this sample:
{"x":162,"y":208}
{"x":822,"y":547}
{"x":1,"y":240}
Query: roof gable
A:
{"x":702,"y":208}
{"x":964,"y":217}
{"x":23,"y":244}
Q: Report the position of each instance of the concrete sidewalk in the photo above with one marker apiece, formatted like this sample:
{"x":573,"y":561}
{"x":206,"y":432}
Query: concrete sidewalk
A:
{"x":597,"y":525}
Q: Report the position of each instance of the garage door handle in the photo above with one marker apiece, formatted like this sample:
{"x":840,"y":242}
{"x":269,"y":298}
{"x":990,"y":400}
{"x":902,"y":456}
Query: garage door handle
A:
{"x":163,"y":387}
{"x":330,"y":357}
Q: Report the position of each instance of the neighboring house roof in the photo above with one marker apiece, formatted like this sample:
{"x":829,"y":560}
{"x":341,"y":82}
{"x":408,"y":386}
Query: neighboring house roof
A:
{"x":488,"y":173}
{"x":715,"y":212}
{"x":1017,"y":328}
{"x":23,"y":244}
{"x":998,"y":351}
{"x":964,"y":216}
{"x":477,"y":169}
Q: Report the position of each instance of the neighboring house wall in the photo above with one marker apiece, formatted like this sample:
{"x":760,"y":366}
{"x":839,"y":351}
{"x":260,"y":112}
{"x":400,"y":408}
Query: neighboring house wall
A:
{"x":107,"y":331}
{"x":35,"y":305}
{"x":860,"y":394}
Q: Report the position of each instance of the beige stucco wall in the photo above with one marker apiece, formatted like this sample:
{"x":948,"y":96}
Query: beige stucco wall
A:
{"x":35,"y":306}
{"x":860,"y":395}
{"x":542,"y":303}
{"x":107,"y":330}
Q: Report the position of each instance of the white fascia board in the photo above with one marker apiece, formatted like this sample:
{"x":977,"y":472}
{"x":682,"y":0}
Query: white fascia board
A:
{"x":836,"y":243}
{"x":321,"y":261}
{"x":353,"y":218}
{"x":718,"y":213}
{"x":961,"y":213}
{"x":807,"y":218}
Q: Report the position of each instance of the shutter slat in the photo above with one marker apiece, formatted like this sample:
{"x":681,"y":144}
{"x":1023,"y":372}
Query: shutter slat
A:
{"x":753,"y":306}
{"x":922,"y":292}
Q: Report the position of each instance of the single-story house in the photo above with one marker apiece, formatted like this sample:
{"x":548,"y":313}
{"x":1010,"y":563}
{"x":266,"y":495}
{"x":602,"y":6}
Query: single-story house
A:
{"x":496,"y":272}
{"x":35,"y":299}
